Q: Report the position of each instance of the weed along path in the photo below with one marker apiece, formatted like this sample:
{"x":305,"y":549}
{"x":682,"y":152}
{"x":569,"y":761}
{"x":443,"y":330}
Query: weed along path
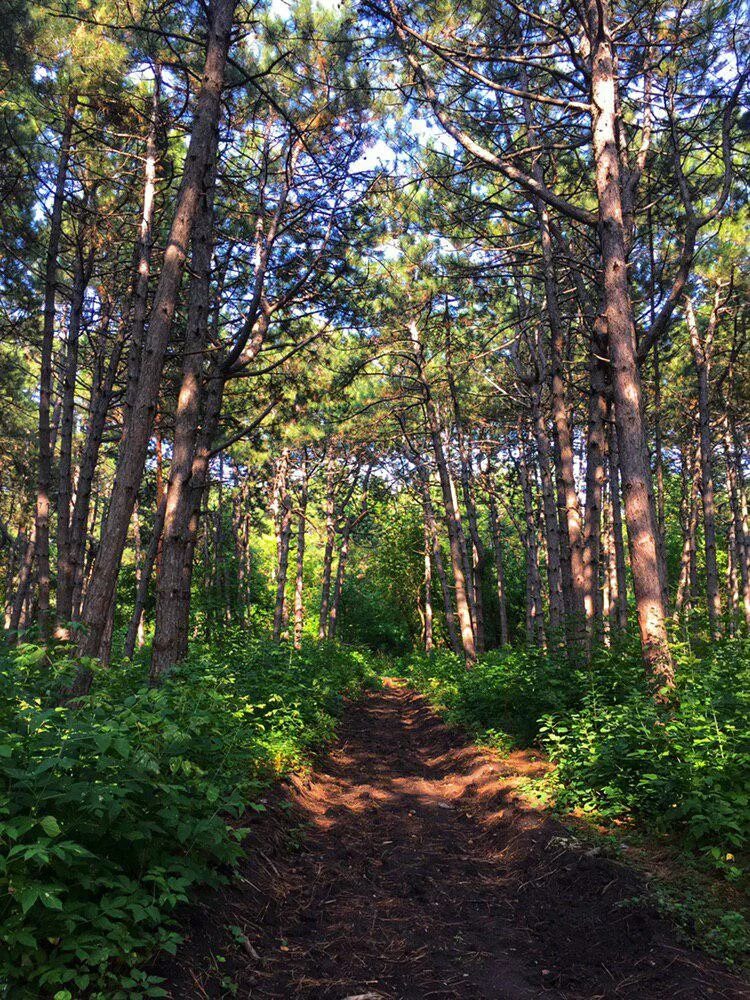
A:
{"x":403,"y":868}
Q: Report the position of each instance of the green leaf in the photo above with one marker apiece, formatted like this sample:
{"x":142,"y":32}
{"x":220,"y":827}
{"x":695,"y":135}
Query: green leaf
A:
{"x":50,"y":826}
{"x":103,"y":741}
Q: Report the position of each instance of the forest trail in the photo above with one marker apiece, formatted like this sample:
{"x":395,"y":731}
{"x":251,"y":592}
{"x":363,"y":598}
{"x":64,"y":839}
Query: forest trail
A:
{"x":418,"y":875}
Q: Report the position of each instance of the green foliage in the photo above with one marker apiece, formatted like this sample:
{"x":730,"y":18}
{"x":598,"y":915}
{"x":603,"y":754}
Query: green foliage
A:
{"x":683,"y":769}
{"x":111,"y":812}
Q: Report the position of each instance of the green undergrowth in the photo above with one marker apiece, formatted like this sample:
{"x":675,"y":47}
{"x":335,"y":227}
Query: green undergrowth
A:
{"x":680,"y":772}
{"x":112,"y":812}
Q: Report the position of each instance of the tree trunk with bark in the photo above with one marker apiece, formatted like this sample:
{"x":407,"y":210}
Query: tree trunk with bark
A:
{"x":44,"y":481}
{"x":701,"y":348}
{"x":299,"y":582}
{"x":65,"y":565}
{"x":173,"y":543}
{"x":133,"y":453}
{"x":499,"y":574}
{"x":635,"y":467}
{"x":283,"y":530}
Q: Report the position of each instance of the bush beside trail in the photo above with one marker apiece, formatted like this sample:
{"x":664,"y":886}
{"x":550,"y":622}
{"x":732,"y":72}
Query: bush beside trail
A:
{"x":113,"y":811}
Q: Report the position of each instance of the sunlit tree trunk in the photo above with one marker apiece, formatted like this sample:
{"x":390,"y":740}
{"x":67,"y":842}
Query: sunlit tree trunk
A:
{"x":563,"y":452}
{"x":452,"y":515}
{"x":635,"y":468}
{"x":437,"y":555}
{"x":139,"y":296}
{"x":427,"y":636}
{"x":474,"y":560}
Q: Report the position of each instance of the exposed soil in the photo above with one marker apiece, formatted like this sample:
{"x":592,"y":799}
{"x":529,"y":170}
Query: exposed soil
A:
{"x":406,"y":869}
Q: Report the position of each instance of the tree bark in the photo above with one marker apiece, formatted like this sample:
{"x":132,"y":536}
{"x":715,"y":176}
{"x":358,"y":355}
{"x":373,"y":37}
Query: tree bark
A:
{"x":187,"y":415}
{"x":423,"y":478}
{"x":24,"y":583}
{"x":299,"y":583}
{"x":427,"y":630}
{"x":139,"y":295}
{"x":325,"y":596}
{"x":637,"y":488}
{"x":452,"y":515}
{"x":45,"y":381}
{"x":283,"y":526}
{"x":742,"y":549}
{"x":595,"y":476}
{"x":619,"y":581}
{"x":500,"y":576}
{"x":534,"y":609}
{"x":338,"y":589}
{"x":701,"y":348}
{"x":65,"y":565}
{"x":133,"y":455}
{"x":135,"y":628}
{"x":551,"y":523}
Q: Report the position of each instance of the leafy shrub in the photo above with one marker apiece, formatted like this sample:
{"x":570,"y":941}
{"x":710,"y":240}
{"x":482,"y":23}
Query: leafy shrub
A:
{"x":683,"y":769}
{"x":112,"y":811}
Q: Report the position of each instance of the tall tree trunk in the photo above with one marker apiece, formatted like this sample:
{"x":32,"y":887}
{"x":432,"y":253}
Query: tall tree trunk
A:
{"x":551,"y":523}
{"x":25,"y":574}
{"x":534,"y":609}
{"x":475,"y":562}
{"x":333,"y":614}
{"x":45,"y":381}
{"x":283,"y":525}
{"x":596,"y":444}
{"x":620,"y":580}
{"x":741,"y":546}
{"x":142,"y":273}
{"x":563,"y":452}
{"x":65,"y":565}
{"x":136,"y":626}
{"x":452,"y":515}
{"x":423,"y":478}
{"x":691,"y":496}
{"x":299,"y":583}
{"x":173,"y":543}
{"x":500,"y":576}
{"x":635,"y":468}
{"x":325,"y":595}
{"x":98,"y":408}
{"x":701,"y":349}
{"x":133,"y":454}
{"x":427,"y":631}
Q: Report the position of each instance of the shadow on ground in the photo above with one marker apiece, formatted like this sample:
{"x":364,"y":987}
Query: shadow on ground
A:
{"x":417,"y":875}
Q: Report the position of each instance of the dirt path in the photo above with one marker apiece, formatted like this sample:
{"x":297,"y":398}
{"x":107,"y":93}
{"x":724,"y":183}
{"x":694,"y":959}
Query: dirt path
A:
{"x":417,"y":875}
